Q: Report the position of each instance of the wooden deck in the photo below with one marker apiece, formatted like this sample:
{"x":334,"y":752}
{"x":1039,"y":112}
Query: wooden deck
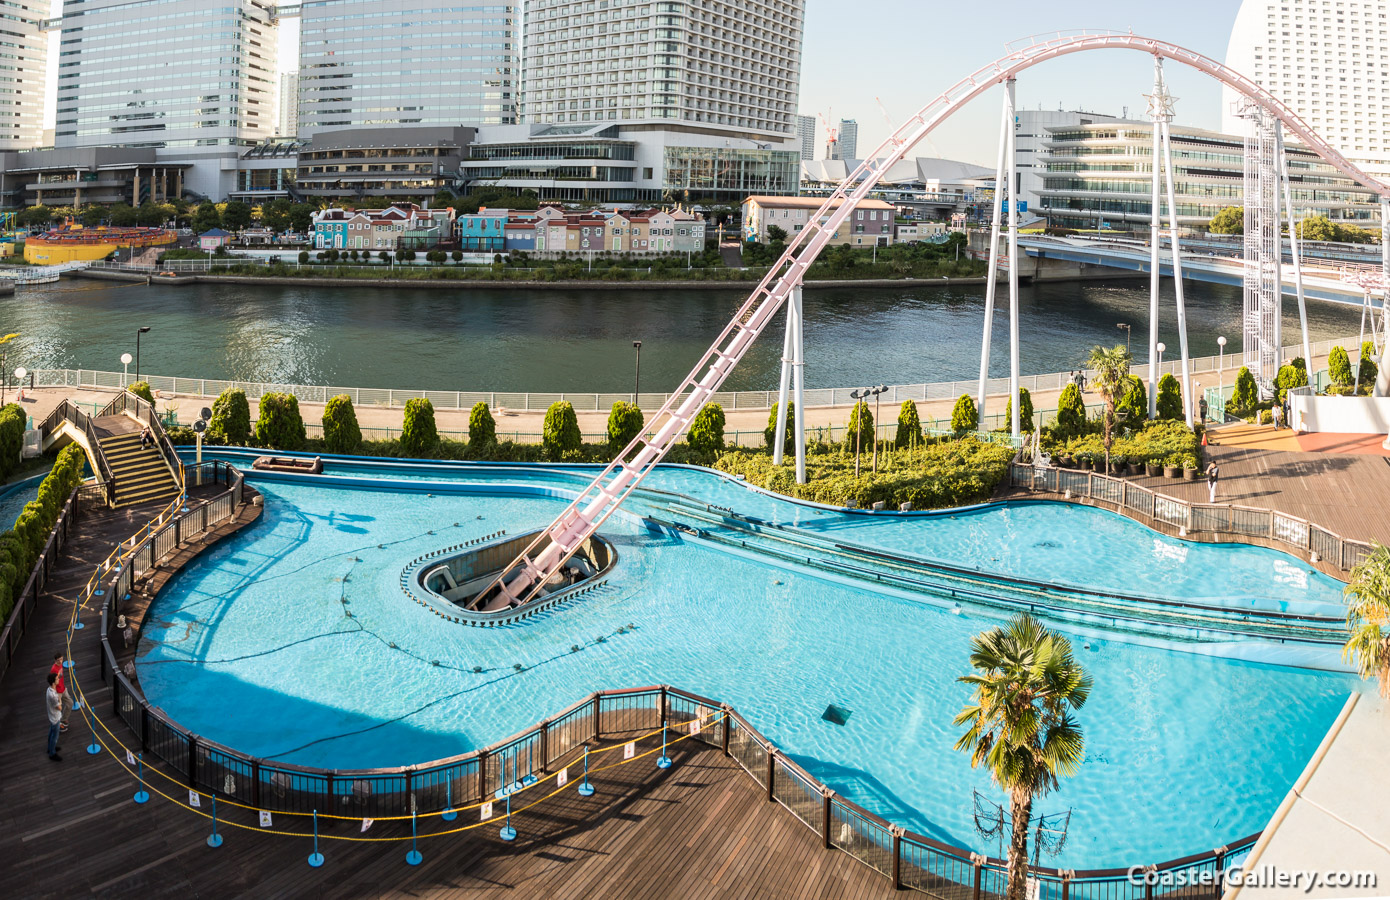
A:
{"x":699,"y":829}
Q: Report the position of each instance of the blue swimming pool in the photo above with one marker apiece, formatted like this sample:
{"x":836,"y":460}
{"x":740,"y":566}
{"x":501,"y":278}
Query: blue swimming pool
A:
{"x":251,"y":647}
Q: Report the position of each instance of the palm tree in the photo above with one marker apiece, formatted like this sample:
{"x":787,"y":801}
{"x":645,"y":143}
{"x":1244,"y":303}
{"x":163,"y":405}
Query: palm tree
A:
{"x":1112,"y":380}
{"x":1368,"y":618}
{"x":1026,"y":685}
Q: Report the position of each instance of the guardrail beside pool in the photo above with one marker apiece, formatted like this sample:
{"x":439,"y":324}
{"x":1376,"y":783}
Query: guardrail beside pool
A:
{"x":908,"y":859}
{"x":1194,"y":518}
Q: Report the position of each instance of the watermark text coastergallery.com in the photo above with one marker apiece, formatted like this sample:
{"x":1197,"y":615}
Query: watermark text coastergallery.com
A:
{"x":1306,"y":880}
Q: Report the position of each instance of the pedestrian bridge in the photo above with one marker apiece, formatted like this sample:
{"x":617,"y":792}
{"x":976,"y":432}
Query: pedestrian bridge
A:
{"x":1053,"y":257}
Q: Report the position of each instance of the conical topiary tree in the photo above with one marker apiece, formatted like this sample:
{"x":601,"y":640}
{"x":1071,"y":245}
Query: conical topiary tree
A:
{"x":341,"y":433}
{"x":1338,"y":367}
{"x":231,"y":417}
{"x":279,"y":425}
{"x":770,"y":432}
{"x":964,"y":415}
{"x":1246,"y":395}
{"x":625,"y":422}
{"x":859,"y":432}
{"x":419,"y":434}
{"x":706,"y":435}
{"x":909,"y":426}
{"x":1169,"y":400}
{"x":482,"y":429}
{"x":1025,"y":411}
{"x":560,"y":432}
{"x":1071,"y":412}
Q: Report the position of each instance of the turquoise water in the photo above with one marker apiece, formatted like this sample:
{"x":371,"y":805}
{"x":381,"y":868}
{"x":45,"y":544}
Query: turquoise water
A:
{"x":250,"y":646}
{"x":13,"y":498}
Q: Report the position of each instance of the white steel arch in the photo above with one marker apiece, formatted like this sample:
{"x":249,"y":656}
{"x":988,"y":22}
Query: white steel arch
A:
{"x":528,"y":575}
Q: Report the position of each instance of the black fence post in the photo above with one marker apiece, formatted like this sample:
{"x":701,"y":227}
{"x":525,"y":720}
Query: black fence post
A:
{"x":771,"y":772}
{"x":144,"y":727}
{"x":192,"y":760}
{"x":979,"y":876}
{"x":256,"y":783}
{"x":598,"y":715}
{"x":545,"y":746}
{"x":897,"y":858}
{"x":728,"y":723}
{"x":482,"y":775}
{"x":665,"y":705}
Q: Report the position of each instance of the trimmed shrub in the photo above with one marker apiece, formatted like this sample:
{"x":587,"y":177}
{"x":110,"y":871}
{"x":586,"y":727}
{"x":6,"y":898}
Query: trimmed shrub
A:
{"x":419,"y":436}
{"x":1368,"y":371}
{"x":1291,"y":375}
{"x":770,"y":432}
{"x":341,"y":433}
{"x":706,"y":434}
{"x":142,"y":390}
{"x":1071,"y":412}
{"x":1246,"y":396}
{"x":1025,"y":411}
{"x":965,"y":417}
{"x":859,"y":431}
{"x":1134,"y":404}
{"x":560,"y":433}
{"x":482,"y":429}
{"x":279,"y":426}
{"x":231,"y":417}
{"x":625,"y":422}
{"x":1338,"y":366}
{"x":1169,"y":400}
{"x":909,"y":426}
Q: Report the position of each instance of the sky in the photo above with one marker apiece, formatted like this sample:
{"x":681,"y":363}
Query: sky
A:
{"x":910,"y":50}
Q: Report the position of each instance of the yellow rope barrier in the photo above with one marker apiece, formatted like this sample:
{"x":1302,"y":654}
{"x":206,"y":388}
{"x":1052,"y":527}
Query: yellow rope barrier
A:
{"x":86,"y":708}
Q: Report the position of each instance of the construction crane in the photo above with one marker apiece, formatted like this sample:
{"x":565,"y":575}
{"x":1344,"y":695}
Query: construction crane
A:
{"x":832,"y":133}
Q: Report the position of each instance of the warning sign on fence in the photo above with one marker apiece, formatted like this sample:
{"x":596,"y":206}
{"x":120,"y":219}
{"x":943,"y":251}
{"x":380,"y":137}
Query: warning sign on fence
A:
{"x":629,"y":749}
{"x":563,"y":778}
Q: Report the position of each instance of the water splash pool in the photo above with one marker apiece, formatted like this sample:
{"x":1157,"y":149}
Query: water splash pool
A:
{"x":251,"y":647}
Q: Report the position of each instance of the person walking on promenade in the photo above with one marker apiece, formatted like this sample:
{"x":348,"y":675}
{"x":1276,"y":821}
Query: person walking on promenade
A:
{"x":62,"y":688}
{"x":54,"y":704}
{"x":1202,"y":409}
{"x":1213,"y":474}
{"x":1278,"y":416}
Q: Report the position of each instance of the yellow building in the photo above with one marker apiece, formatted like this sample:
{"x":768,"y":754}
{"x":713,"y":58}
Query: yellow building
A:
{"x":78,"y":244}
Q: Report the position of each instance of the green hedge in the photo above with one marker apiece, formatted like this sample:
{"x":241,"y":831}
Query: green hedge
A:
{"x":933,"y":476}
{"x":770,"y":432}
{"x":624,"y":423}
{"x":909,"y":426}
{"x":1160,"y":441}
{"x":142,"y":390}
{"x":1025,"y":411}
{"x":1169,"y":402}
{"x":964,"y":416}
{"x":20,"y":547}
{"x":560,"y":432}
{"x":13,"y":420}
{"x":482,"y":428}
{"x":706,"y":435}
{"x":341,"y":433}
{"x":280,"y":426}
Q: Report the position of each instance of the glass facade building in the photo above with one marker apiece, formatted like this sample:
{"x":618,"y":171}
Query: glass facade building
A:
{"x":722,"y":66}
{"x":728,"y":175}
{"x":23,"y":73}
{"x":166,"y":73}
{"x":369,"y":63}
{"x":1102,"y":173}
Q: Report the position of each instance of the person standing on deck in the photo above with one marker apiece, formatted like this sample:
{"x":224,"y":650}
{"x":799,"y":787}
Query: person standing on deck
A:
{"x":61,"y":686}
{"x":54,"y":704}
{"x":1213,"y":474}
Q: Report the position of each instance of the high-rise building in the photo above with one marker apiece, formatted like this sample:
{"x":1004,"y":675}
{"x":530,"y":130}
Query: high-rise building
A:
{"x":1328,"y":61}
{"x":23,"y":74}
{"x":287,"y":122}
{"x":366,"y":63}
{"x":847,"y":146}
{"x":1031,"y":131}
{"x":806,"y":134}
{"x":166,"y":74}
{"x":706,"y":65}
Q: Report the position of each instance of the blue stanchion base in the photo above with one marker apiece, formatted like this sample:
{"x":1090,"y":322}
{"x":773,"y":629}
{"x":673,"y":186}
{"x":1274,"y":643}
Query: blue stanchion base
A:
{"x":78,"y":626}
{"x":448,"y":815}
{"x":508,"y":833}
{"x":142,"y":796}
{"x":663,"y":762}
{"x":586,"y":789}
{"x":94,"y":748}
{"x":413,"y":858}
{"x":67,"y":664}
{"x":77,"y":704}
{"x":214,"y":840}
{"x":315,"y":859}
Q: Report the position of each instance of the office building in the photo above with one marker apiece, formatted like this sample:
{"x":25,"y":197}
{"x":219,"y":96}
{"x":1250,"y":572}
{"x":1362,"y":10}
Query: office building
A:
{"x":396,"y":163}
{"x":806,"y":135}
{"x":847,"y":144}
{"x":869,"y":224}
{"x":1328,"y":61}
{"x":389,"y":63}
{"x":169,"y":74}
{"x":23,"y":74}
{"x":287,"y":121}
{"x":1100,"y":175}
{"x":1032,"y":134}
{"x":708,"y":66}
{"x":628,"y":164}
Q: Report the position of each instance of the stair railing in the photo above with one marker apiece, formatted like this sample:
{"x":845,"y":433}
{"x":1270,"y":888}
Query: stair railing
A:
{"x":67,"y":411}
{"x":144,"y":411}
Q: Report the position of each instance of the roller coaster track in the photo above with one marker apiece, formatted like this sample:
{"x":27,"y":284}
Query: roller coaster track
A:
{"x":527,"y":576}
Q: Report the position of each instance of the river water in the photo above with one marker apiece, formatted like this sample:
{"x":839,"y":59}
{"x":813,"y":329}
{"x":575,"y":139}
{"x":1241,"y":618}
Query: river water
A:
{"x":480,"y":339}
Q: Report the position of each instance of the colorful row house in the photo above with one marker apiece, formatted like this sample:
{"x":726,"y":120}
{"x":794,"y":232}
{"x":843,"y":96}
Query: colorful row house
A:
{"x":399,"y":226}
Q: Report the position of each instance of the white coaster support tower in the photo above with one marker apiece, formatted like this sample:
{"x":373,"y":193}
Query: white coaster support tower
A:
{"x":793,"y":362}
{"x":1294,"y":251}
{"x":1161,"y":108}
{"x":1263,"y":245}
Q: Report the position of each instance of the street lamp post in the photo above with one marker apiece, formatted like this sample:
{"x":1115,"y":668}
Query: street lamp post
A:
{"x":125,"y":370}
{"x":139,"y":331}
{"x":858,"y":431}
{"x":877,"y":393}
{"x":19,"y":375}
{"x":1161,"y":348}
{"x":1125,"y":326}
{"x":637,"y":378}
{"x":1221,"y":366}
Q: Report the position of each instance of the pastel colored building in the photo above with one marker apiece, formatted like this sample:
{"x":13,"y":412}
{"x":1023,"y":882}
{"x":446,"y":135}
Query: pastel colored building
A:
{"x":870,"y":223}
{"x":214,"y":238}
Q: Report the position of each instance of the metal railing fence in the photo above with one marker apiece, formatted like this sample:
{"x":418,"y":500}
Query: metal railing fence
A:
{"x":1135,"y":500}
{"x":603,"y":401}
